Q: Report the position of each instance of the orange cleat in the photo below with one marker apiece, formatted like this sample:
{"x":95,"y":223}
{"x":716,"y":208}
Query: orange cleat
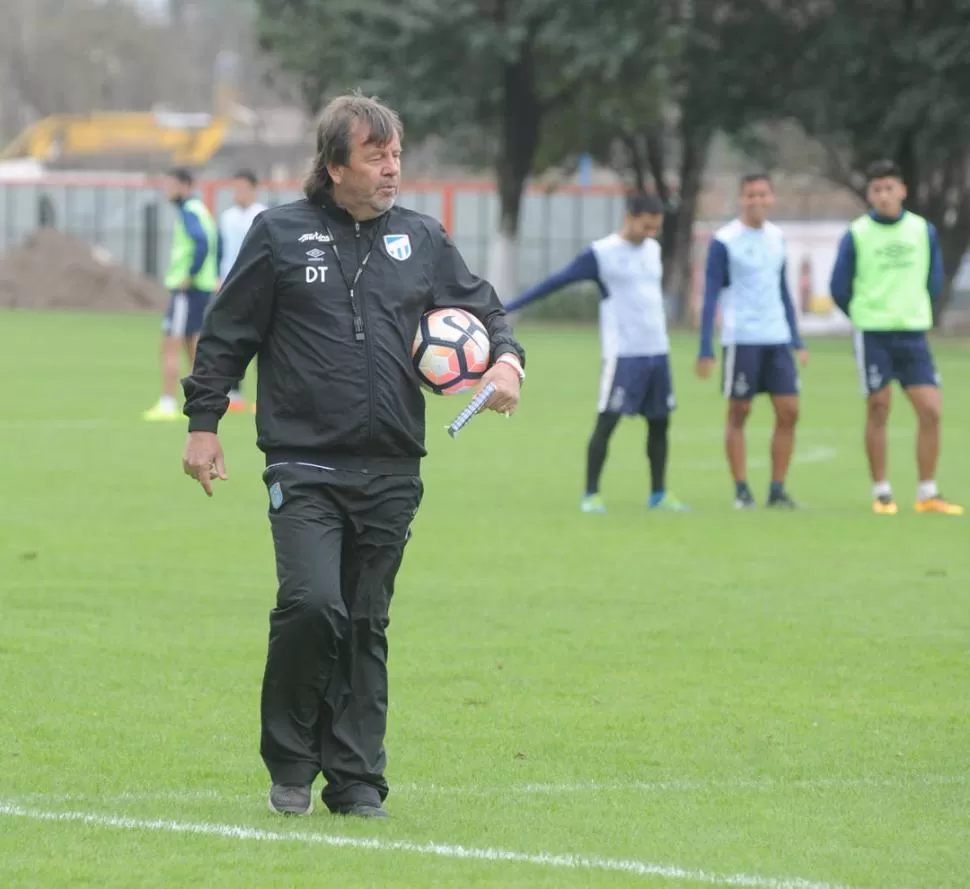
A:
{"x":938,"y":504}
{"x":885,"y":505}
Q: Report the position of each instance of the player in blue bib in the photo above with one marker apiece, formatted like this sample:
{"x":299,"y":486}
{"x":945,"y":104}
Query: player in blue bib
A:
{"x":759,"y":332}
{"x":636,"y":378}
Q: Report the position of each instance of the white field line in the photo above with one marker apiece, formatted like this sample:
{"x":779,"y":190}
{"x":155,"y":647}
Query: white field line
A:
{"x":47,"y":424}
{"x":555,"y":788}
{"x":692,"y":786}
{"x":694,"y":434}
{"x":683,"y":434}
{"x":435,"y":850}
{"x":810,"y":454}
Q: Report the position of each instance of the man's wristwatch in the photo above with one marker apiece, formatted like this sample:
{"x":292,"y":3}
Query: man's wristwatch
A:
{"x":513,"y":362}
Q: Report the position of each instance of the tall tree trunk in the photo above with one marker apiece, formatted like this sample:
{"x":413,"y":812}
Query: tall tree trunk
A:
{"x":521,"y":115}
{"x":635,"y":162}
{"x":695,"y":144}
{"x":935,"y":202}
{"x":953,"y":244}
{"x":657,"y":158}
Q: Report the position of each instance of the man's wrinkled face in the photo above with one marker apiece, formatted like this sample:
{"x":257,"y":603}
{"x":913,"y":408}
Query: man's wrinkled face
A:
{"x":372,"y":175}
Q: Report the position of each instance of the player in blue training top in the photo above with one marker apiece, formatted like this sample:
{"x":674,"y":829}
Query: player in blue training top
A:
{"x":746,"y":271}
{"x":636,"y":375}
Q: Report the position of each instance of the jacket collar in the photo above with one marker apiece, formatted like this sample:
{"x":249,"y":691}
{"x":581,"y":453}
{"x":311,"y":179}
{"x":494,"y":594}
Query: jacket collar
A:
{"x":340,"y":215}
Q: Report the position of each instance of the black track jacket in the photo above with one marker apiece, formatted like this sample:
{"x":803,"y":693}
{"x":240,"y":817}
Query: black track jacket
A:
{"x":336,"y":383}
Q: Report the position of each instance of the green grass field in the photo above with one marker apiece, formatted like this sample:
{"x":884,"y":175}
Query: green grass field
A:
{"x":711,"y":698}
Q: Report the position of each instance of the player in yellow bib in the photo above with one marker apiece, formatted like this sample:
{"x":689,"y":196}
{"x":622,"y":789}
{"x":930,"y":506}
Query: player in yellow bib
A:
{"x":888,"y":271}
{"x":191,"y":279}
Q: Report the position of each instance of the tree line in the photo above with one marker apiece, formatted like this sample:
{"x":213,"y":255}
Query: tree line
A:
{"x":77,"y":56}
{"x":648,"y":84}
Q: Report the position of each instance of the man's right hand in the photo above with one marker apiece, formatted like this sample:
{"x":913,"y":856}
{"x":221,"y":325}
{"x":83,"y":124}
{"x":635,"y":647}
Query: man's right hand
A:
{"x":704,"y":367}
{"x":203,"y":459}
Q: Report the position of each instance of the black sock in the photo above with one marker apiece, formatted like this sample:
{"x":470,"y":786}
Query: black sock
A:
{"x":741,"y":488}
{"x":597,"y":449}
{"x":657,"y":453}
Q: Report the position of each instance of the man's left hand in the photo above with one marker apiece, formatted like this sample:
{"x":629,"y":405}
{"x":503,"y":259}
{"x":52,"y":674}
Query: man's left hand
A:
{"x":802,"y":357}
{"x":505,"y":398}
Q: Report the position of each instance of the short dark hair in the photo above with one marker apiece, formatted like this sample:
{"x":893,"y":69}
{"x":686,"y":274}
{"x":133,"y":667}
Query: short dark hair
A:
{"x":642,"y":203}
{"x":335,"y":129}
{"x":883,"y":169}
{"x":183,"y":175}
{"x":248,"y":175}
{"x":757,"y":176}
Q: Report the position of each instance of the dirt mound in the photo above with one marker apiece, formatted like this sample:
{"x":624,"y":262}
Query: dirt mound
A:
{"x":54,"y":271}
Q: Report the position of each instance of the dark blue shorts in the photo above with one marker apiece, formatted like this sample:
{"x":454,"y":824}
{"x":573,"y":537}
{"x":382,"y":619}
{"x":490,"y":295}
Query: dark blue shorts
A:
{"x":750,"y":370}
{"x":186,"y":309}
{"x":883,"y":357}
{"x":637,"y":385}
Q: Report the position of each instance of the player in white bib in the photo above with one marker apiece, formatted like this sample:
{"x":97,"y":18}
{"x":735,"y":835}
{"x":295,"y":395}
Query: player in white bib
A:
{"x":746,"y":273}
{"x":636,"y":378}
{"x":234,"y":223}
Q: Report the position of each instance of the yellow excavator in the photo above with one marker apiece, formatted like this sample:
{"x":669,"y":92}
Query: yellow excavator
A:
{"x":189,"y":139}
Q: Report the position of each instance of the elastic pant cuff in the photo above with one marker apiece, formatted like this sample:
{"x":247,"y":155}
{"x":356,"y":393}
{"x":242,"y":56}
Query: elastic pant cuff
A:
{"x":351,"y":794}
{"x":298,"y":774}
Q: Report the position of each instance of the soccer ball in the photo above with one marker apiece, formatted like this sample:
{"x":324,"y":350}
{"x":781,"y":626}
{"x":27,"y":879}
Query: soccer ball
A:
{"x":450,"y":351}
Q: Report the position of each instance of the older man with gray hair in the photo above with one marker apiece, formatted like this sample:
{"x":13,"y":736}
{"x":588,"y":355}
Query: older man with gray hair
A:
{"x":330,"y":311}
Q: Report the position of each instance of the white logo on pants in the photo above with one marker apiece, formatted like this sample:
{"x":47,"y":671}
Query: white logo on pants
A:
{"x":875,"y":378}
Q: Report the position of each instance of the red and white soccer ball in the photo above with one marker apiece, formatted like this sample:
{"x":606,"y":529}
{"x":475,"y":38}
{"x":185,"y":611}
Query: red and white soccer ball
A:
{"x":450,"y":351}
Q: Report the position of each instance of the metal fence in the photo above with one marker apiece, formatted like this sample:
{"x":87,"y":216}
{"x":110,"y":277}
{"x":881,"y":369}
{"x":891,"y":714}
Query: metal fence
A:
{"x":129,"y":217}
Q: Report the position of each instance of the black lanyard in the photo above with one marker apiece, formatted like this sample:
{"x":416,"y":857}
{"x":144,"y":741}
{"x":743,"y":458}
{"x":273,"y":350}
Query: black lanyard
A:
{"x":352,"y":282}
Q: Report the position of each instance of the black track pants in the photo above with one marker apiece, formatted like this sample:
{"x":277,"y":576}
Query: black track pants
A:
{"x":339,"y":538}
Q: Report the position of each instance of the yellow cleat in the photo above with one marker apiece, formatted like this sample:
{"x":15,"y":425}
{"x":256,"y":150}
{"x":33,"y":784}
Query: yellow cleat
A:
{"x":938,"y":504}
{"x":884,"y":505}
{"x":161,"y":413}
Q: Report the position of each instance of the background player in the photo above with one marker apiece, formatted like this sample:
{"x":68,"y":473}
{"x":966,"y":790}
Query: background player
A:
{"x":888,"y":271}
{"x":746,"y":270}
{"x":191,"y":277}
{"x":233,"y":225}
{"x":636,"y":376}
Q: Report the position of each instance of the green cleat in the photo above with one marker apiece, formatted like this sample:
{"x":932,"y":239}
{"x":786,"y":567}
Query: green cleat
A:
{"x":162,"y":413}
{"x":592,"y":503}
{"x":668,"y":503}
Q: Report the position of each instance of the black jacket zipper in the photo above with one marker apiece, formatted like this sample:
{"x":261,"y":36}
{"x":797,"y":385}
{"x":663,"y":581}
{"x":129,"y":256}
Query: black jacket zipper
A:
{"x":369,"y":354}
